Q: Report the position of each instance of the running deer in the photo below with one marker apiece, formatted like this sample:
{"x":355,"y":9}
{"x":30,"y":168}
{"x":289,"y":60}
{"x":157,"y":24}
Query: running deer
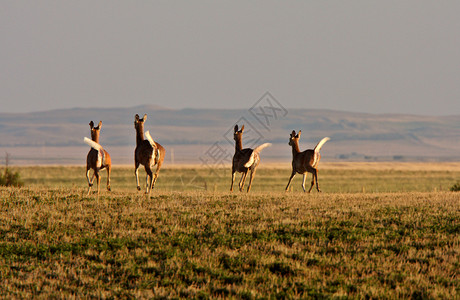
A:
{"x":97,"y":158}
{"x":244,"y":159}
{"x":148,"y":153}
{"x":306,"y":161}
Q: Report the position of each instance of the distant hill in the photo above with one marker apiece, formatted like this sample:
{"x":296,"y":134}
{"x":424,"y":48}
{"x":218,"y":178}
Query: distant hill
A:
{"x":354,"y":136}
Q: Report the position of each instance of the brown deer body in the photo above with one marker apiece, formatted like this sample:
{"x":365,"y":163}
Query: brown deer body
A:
{"x":244,"y":160}
{"x":306,"y":161}
{"x":97,"y":158}
{"x":147,"y":153}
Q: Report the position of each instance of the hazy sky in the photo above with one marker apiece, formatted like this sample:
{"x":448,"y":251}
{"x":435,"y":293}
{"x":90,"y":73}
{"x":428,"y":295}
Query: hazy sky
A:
{"x":364,"y":56}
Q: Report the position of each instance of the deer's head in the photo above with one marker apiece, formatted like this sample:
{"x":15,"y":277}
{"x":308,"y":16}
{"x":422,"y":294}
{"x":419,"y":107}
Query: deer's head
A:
{"x":139,"y":123}
{"x":95,"y":131}
{"x":294,"y":138}
{"x":238,"y":134}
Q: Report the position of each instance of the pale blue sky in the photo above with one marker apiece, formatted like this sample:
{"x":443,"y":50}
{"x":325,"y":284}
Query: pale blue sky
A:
{"x":364,"y":56}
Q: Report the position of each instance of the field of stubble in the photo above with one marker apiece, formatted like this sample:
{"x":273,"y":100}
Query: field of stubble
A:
{"x":376,"y":231}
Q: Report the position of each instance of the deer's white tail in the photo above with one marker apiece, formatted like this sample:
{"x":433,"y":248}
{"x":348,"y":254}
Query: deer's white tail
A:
{"x":317,"y":148}
{"x":149,"y":138}
{"x":100,"y":151}
{"x":321,"y":143}
{"x":156,"y":151}
{"x":256,"y":150}
{"x":93,"y":144}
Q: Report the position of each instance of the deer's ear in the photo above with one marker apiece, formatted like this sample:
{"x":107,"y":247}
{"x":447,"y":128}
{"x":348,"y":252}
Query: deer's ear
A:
{"x":242,"y":129}
{"x":236,"y":128}
{"x":136,"y":117}
{"x":293,"y":133}
{"x":145,"y":117}
{"x":298,"y":134}
{"x":100,"y":124}
{"x":91,"y":124}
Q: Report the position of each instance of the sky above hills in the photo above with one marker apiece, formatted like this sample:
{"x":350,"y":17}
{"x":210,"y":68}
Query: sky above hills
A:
{"x":363,"y":56}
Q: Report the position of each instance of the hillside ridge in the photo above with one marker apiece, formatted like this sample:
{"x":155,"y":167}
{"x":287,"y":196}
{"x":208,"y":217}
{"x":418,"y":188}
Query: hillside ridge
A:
{"x":354,"y":135}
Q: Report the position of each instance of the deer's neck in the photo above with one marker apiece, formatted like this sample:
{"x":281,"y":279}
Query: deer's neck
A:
{"x":139,"y":134}
{"x":95,"y":137}
{"x":295,"y":148}
{"x":238,"y":145}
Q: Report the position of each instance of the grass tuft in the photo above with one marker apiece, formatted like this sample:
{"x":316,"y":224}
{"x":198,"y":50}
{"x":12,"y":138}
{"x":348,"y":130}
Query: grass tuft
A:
{"x":10,"y":178}
{"x":455,"y":188}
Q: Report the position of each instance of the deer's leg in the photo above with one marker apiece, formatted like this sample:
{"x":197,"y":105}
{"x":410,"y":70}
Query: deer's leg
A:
{"x":317,"y":184}
{"x":136,"y":173}
{"x":233,"y":178}
{"x":90,"y":183}
{"x":313,"y":173}
{"x":290,"y":179}
{"x":109,"y":169}
{"x":253,"y":172}
{"x":149,"y":180}
{"x":303,"y":182}
{"x":157,"y":172}
{"x":87,"y":176}
{"x":243,"y":179}
{"x":155,"y":176}
{"x":98,"y":181}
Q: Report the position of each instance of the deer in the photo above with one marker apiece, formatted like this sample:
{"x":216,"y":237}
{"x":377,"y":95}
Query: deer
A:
{"x":305,"y":162}
{"x":244,"y":160}
{"x":97,"y":158}
{"x":147,"y":153}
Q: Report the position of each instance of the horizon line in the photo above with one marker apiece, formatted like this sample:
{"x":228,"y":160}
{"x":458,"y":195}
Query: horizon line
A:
{"x":161,"y":107}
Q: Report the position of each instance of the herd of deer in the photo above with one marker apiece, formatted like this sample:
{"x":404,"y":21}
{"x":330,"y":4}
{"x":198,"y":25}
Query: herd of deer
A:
{"x":149,"y":153}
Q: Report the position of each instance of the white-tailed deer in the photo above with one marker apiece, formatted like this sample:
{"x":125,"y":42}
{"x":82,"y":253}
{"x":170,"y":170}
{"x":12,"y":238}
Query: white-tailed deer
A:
{"x":306,"y":161}
{"x":244,"y":159}
{"x":97,"y":158}
{"x":148,"y":153}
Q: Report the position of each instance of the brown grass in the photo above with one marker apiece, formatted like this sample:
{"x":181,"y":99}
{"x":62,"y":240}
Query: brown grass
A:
{"x":57,"y":242}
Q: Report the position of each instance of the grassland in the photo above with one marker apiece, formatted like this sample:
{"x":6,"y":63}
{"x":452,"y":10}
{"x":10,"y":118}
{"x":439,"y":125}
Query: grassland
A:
{"x":377,"y":231}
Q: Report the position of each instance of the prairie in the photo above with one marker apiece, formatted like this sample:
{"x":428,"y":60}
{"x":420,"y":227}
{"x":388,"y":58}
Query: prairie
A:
{"x":350,"y":177}
{"x":376,"y":231}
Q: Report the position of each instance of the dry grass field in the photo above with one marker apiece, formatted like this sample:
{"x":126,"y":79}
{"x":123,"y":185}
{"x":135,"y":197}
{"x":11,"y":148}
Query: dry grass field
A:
{"x":377,"y":231}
